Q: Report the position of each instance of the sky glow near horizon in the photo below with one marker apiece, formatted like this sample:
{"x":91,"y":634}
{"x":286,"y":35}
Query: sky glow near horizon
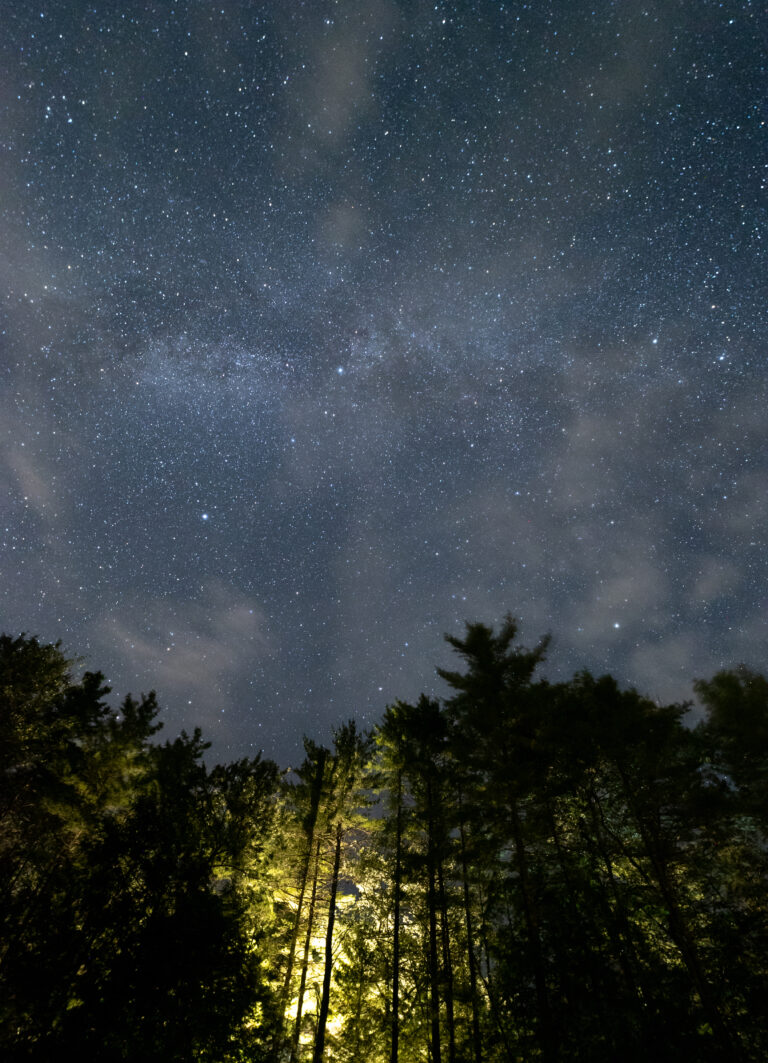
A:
{"x":329,"y":326}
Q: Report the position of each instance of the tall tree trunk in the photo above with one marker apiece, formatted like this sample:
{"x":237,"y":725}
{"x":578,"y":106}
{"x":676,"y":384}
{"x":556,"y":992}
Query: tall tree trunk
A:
{"x":477,"y":1044}
{"x":285,"y":991}
{"x":602,"y":979}
{"x":359,"y":1012}
{"x":485,"y":973}
{"x":678,"y":927}
{"x":531,"y":917}
{"x":396,"y":929}
{"x":434,"y":970}
{"x":619,"y":925}
{"x":322,"y":1017}
{"x":305,"y":959}
{"x":316,"y":789}
{"x":447,"y":964}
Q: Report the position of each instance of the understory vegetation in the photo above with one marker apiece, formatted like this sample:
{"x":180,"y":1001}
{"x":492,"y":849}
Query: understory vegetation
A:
{"x":520,"y":871}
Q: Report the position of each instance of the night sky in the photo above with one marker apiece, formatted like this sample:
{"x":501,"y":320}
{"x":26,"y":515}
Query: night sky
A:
{"x":328,"y":326}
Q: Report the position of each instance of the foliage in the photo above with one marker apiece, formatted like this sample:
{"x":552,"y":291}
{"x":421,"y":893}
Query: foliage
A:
{"x":128,"y":923}
{"x":521,"y":870}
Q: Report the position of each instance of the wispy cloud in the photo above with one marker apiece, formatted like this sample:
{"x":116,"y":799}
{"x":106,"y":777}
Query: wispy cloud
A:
{"x":188,"y":652}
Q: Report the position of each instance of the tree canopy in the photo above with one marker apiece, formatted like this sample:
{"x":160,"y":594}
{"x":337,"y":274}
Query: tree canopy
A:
{"x":519,"y":870}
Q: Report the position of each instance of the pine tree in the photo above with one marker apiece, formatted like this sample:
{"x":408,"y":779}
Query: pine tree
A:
{"x":346,"y":784}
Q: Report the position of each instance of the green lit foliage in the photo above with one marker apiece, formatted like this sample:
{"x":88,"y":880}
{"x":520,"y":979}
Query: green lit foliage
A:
{"x":315,"y":893}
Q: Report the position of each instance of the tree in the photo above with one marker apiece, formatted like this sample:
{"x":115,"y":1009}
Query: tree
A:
{"x":555,"y":871}
{"x":494,"y":716}
{"x":304,"y":801}
{"x":736,"y":734}
{"x":128,"y":877}
{"x":346,"y":782}
{"x":392,"y":744}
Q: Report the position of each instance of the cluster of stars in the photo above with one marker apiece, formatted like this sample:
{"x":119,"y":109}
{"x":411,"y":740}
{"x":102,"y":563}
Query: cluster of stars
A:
{"x":329,"y":327}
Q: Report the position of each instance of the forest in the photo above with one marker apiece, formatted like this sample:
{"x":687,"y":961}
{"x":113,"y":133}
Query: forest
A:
{"x":523,"y":870}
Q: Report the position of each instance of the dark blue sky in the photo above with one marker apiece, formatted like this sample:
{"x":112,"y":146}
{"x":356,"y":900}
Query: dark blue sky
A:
{"x":328,"y":326}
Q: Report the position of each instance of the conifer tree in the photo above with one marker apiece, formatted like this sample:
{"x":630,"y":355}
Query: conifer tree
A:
{"x":345,"y":795}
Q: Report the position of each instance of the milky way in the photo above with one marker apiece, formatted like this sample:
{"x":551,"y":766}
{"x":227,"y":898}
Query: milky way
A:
{"x":329,"y":326}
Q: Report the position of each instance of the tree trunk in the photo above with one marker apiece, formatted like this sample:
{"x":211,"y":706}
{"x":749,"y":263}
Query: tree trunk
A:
{"x":477,"y":1043}
{"x":305,"y":960}
{"x":619,"y":925}
{"x":678,"y":927}
{"x":434,"y":971}
{"x":311,"y":823}
{"x":447,"y":964}
{"x":322,"y":1018}
{"x":396,"y":929}
{"x":530,"y":914}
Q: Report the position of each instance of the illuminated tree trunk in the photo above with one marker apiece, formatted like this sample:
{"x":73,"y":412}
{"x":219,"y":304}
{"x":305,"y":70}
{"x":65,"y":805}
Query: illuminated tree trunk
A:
{"x":434,"y":969}
{"x":313,"y":767}
{"x":305,"y":960}
{"x":477,"y":1043}
{"x":396,"y":930}
{"x":447,"y":964}
{"x":322,"y":1018}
